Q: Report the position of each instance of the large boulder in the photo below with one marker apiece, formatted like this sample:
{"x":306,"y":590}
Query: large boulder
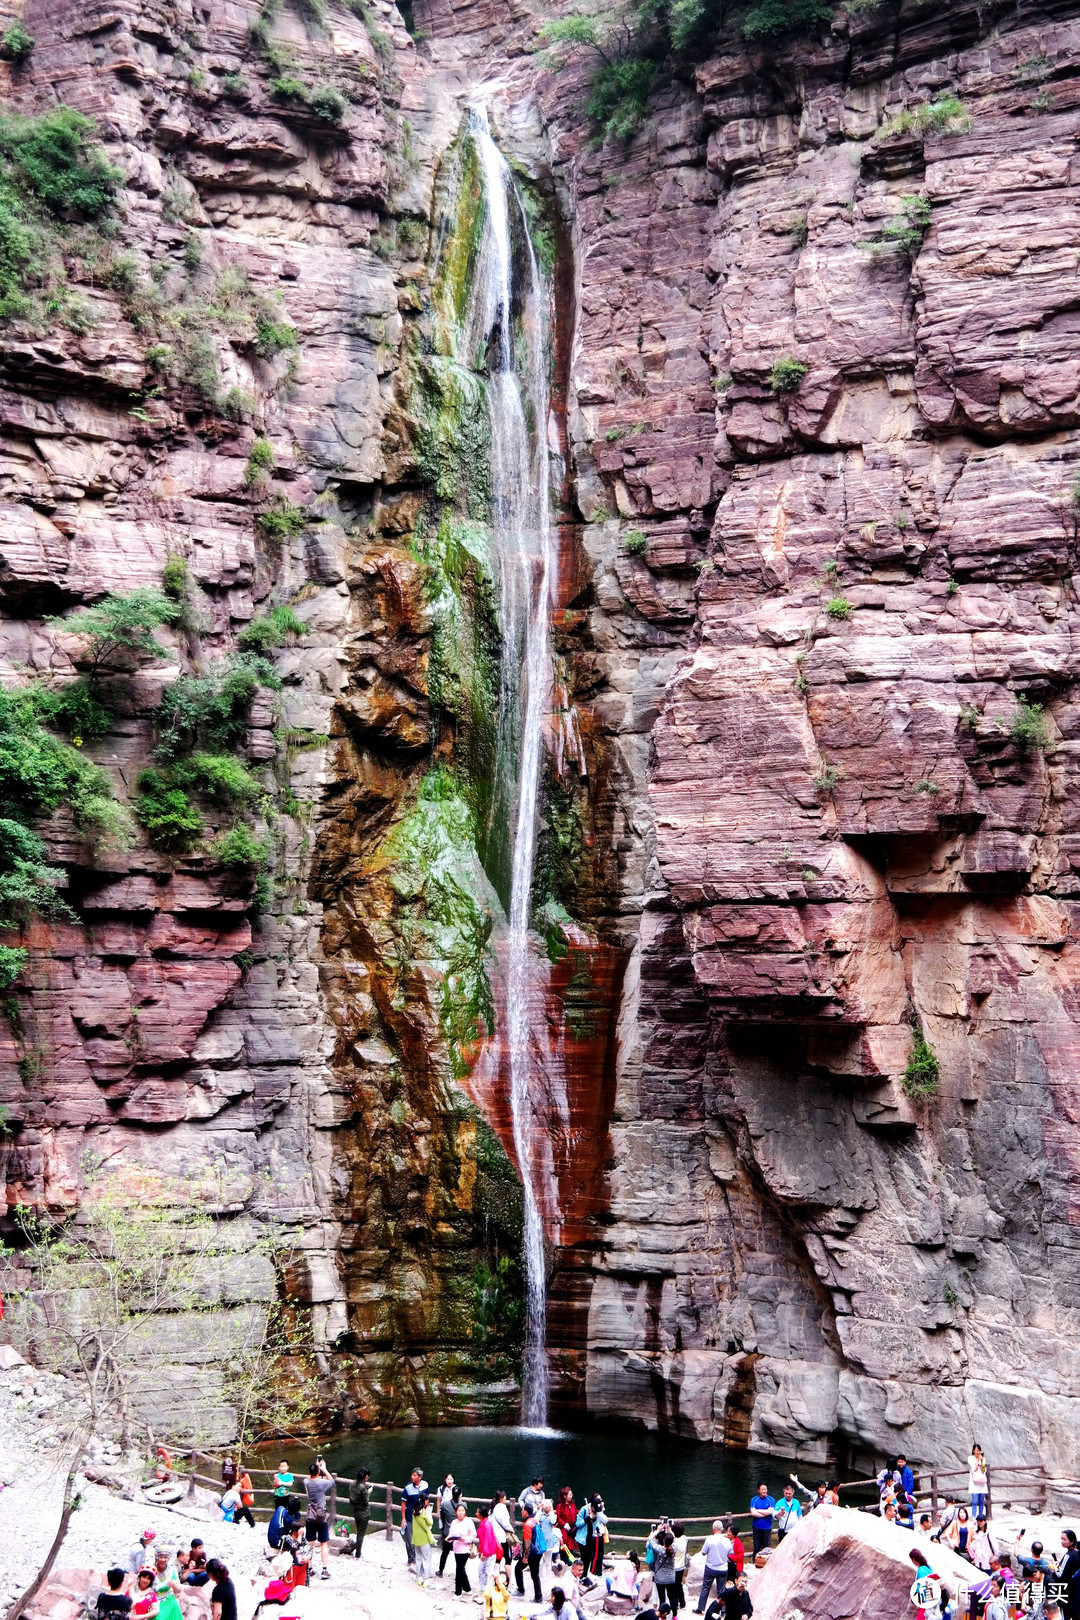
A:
{"x":842,"y":1564}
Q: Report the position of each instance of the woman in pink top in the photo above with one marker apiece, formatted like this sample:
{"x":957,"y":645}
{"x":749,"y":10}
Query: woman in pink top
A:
{"x":487,"y":1545}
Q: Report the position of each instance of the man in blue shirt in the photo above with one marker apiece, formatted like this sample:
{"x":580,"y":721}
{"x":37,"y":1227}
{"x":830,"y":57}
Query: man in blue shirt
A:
{"x":762,"y":1508}
{"x":413,"y":1498}
{"x":788,"y":1512}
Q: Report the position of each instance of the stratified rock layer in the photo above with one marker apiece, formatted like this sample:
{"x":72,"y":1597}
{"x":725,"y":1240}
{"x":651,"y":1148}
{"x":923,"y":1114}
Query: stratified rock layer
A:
{"x":813,"y":824}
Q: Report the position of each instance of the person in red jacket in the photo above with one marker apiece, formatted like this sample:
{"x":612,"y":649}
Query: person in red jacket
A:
{"x":738,"y":1551}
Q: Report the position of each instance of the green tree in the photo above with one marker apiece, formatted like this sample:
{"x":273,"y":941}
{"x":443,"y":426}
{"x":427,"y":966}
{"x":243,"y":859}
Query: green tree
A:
{"x":120,"y":629}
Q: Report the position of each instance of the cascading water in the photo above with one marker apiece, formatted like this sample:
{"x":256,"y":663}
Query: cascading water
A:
{"x":526,"y":562}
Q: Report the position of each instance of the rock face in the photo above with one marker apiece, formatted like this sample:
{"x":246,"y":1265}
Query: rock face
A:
{"x":823,"y":701}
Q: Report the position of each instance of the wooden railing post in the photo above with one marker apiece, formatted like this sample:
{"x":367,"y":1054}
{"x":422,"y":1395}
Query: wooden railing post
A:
{"x":933,"y":1494}
{"x":194,"y":1471}
{"x":989,"y":1505}
{"x":389,"y":1510}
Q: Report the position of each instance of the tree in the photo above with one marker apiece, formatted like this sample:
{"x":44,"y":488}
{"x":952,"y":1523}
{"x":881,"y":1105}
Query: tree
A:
{"x":122,"y":626}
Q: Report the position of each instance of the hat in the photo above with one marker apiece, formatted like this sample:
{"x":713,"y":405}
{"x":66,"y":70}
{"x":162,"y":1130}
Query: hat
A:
{"x":148,"y":1535}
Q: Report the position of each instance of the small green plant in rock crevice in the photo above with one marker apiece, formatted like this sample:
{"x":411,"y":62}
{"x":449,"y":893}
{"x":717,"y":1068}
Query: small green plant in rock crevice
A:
{"x":905,"y":231}
{"x":17,"y":43}
{"x":921,"y":1077}
{"x":838,"y":607}
{"x":786,"y":374}
{"x":946,"y":115}
{"x":635,"y":543}
{"x":1029,"y":730}
{"x":271,"y":630}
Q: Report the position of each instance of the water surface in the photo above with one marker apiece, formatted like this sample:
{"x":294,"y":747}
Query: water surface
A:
{"x":639,"y":1475}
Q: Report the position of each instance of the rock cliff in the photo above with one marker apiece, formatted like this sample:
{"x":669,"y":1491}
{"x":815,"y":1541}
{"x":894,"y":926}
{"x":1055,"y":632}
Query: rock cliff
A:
{"x":811,"y":1134}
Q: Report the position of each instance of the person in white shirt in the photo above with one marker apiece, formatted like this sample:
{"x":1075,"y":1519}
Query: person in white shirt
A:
{"x":717,"y":1550}
{"x":531,"y":1497}
{"x":560,"y":1606}
{"x":502,"y":1524}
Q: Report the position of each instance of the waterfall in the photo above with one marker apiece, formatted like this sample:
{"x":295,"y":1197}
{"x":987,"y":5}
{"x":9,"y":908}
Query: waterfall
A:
{"x":526,"y":560}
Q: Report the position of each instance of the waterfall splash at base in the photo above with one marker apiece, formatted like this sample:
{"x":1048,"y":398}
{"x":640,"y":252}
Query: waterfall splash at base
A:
{"x":526,"y":559}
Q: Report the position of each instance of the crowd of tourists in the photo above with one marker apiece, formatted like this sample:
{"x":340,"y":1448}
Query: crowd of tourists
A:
{"x":160,"y":1583}
{"x":565,"y":1552}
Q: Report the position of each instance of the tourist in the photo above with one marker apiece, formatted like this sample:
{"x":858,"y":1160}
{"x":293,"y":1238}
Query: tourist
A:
{"x":533,"y":1545}
{"x":186,"y":1561}
{"x":549,"y":1534}
{"x":1036,"y":1593}
{"x":888,"y":1478}
{"x":223,"y":1595}
{"x":762,"y":1507}
{"x":487,"y":1545}
{"x":624,"y":1582}
{"x":682,"y":1542}
{"x":566,"y":1514}
{"x":737,"y":1559}
{"x":283,"y":1482}
{"x":167,"y":1588}
{"x":360,"y":1502}
{"x":1068,"y":1574}
{"x":983,"y":1550}
{"x":247,"y":1498}
{"x":926,"y":1525}
{"x":229,"y":1473}
{"x":283,"y":1521}
{"x":318,"y":1487}
{"x":977,"y":1482}
{"x":906,"y":1492}
{"x":144,"y":1598}
{"x":738,"y":1604}
{"x":423,"y":1539}
{"x":531,"y":1497}
{"x":503,"y":1525}
{"x":832,"y":1493}
{"x":559,"y":1606}
{"x":415,"y":1492}
{"x":115,"y":1600}
{"x":946,"y":1606}
{"x":957,"y":1533}
{"x":497,"y":1596}
{"x":140,"y":1555}
{"x":997,"y":1608}
{"x":788,"y":1513}
{"x":814,"y":1498}
{"x":948,"y":1515}
{"x":923,"y":1574}
{"x":462,"y":1541}
{"x":447,"y":1498}
{"x":589,"y":1534}
{"x":717,"y":1553}
{"x":1035,"y":1559}
{"x":662,"y":1545}
{"x":891,"y":1513}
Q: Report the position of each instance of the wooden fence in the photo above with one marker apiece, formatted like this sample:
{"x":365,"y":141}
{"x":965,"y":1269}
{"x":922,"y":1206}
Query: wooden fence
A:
{"x":1012,"y":1482}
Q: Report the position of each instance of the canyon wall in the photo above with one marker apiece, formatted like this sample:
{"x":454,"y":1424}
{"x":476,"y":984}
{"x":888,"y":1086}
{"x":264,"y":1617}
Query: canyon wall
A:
{"x":815,"y":627}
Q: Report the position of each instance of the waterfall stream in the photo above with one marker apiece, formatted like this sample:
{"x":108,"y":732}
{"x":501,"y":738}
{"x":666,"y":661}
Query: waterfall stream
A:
{"x":526,"y":561}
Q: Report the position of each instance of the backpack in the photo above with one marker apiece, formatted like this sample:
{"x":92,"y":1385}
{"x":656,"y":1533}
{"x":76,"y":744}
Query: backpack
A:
{"x":581,"y":1534}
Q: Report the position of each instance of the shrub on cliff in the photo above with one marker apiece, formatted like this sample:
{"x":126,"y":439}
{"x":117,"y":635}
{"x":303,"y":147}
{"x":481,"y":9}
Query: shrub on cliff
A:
{"x":921,"y":1078}
{"x":52,"y":176}
{"x":120,"y":629}
{"x":271,"y":630}
{"x":632,"y":44}
{"x":17,"y":44}
{"x":170,"y":819}
{"x":211,"y":710}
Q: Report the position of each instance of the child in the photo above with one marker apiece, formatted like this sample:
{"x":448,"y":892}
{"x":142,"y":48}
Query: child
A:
{"x":423,"y":1540}
{"x":283,"y":1482}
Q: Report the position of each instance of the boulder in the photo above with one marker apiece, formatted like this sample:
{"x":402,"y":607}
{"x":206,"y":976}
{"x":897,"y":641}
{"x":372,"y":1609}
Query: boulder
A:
{"x":843,"y":1564}
{"x":9,"y":1358}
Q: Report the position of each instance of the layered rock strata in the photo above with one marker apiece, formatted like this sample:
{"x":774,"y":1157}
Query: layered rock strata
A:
{"x":818,"y":817}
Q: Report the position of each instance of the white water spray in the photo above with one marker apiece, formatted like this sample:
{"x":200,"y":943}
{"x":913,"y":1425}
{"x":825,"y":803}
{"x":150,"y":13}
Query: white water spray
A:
{"x":527,"y":562}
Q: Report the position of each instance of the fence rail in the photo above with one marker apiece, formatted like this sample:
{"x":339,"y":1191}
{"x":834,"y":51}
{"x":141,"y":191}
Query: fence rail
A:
{"x":1022,"y":1477}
